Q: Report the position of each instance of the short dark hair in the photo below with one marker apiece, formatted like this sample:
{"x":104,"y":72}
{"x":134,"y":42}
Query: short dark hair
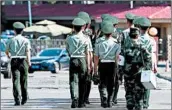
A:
{"x":144,"y":28}
{"x":77,"y":28}
{"x":108,"y":34}
{"x":130,"y":21}
{"x":18,"y":31}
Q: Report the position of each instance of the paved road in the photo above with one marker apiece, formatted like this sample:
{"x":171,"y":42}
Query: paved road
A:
{"x":48,"y":91}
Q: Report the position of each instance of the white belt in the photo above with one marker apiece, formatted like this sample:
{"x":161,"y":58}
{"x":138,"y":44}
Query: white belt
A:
{"x":18,"y":57}
{"x":107,"y":60}
{"x":77,"y":56}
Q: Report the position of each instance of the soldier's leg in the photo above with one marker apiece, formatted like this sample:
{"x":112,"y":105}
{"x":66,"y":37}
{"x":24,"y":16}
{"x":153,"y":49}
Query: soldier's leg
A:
{"x":15,"y":80}
{"x":73,"y":82}
{"x":82,"y":81}
{"x":103,"y":88}
{"x":100,"y":90}
{"x":146,"y":98}
{"x":110,"y":82}
{"x":88,"y":89}
{"x":116,"y":88}
{"x":24,"y":80}
{"x":129,"y":89}
{"x":139,"y":93}
{"x":101,"y":94}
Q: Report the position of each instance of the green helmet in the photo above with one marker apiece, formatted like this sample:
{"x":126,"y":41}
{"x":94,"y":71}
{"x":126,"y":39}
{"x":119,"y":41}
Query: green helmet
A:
{"x":78,"y":22}
{"x":107,"y":27}
{"x":112,"y":19}
{"x":136,"y":21}
{"x":85,"y":16}
{"x":129,"y":16}
{"x":18,"y":25}
{"x":144,"y":22}
{"x":103,"y":16}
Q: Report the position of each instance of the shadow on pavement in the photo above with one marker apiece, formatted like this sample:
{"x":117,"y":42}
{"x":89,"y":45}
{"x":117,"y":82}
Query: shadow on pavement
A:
{"x":58,"y":103}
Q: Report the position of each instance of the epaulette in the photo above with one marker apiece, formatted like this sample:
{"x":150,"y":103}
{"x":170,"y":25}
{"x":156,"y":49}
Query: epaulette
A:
{"x":88,"y":32}
{"x":100,"y":39}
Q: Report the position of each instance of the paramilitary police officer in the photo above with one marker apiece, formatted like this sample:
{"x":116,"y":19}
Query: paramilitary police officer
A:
{"x":106,"y":52}
{"x":116,"y":36}
{"x":18,"y":50}
{"x":77,"y":47}
{"x":99,"y":32}
{"x":144,"y":27}
{"x":87,"y":34}
{"x":135,"y":54}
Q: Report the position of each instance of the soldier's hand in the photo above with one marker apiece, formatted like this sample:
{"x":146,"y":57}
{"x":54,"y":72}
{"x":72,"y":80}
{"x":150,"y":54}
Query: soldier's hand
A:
{"x":96,"y":79}
{"x":29,"y":63}
{"x":89,"y":70}
{"x":119,"y":82}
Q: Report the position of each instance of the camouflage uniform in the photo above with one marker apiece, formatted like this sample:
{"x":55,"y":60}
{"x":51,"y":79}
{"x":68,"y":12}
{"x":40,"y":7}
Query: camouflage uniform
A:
{"x":132,"y":70}
{"x":146,"y":39}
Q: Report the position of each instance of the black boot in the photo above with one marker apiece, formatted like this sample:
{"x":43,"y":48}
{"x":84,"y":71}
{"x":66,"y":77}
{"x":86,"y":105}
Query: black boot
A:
{"x":104,"y":102}
{"x":87,"y":101}
{"x":17,"y":103}
{"x":74,"y":104}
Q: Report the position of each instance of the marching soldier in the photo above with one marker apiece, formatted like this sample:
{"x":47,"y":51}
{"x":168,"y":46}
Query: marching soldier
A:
{"x":130,"y":17}
{"x":116,"y":36}
{"x":144,"y":27}
{"x":18,"y":50}
{"x":77,"y":47}
{"x":135,"y":54}
{"x":105,"y":59}
{"x":87,"y":34}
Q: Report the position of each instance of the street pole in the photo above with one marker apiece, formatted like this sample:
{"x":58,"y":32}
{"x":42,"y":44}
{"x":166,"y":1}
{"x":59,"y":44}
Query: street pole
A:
{"x":30,"y":13}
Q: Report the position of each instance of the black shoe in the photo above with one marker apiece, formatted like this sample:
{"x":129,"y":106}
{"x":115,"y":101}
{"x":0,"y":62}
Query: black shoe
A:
{"x":81,"y":105}
{"x":109,"y":105}
{"x":145,"y":107}
{"x":104,"y":105}
{"x":17,"y":103}
{"x":87,"y":102}
{"x":23,"y":102}
{"x":114,"y":103}
{"x":74,"y":104}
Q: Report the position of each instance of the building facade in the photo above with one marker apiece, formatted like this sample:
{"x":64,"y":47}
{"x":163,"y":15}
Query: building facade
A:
{"x":160,"y":15}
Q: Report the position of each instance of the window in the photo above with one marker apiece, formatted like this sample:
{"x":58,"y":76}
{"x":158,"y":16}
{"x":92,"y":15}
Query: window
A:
{"x":50,"y":52}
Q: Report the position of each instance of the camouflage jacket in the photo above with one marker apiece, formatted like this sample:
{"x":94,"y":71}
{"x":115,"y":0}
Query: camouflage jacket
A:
{"x":136,"y":57}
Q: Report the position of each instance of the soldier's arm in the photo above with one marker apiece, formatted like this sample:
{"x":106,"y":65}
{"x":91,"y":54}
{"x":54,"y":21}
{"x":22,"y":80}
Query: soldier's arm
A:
{"x":90,"y":53}
{"x":87,"y":56}
{"x":147,"y":57}
{"x":7,"y":49}
{"x":67,"y":46}
{"x":28,"y":52}
{"x":96,"y":59}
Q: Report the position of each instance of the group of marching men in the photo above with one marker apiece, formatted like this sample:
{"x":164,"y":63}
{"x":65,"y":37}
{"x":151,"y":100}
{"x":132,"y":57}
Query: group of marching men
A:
{"x":109,"y":57}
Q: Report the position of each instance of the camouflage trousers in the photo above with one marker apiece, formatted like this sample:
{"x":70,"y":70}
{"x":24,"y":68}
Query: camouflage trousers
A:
{"x":146,"y":98}
{"x":77,"y":79}
{"x":134,"y":92}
